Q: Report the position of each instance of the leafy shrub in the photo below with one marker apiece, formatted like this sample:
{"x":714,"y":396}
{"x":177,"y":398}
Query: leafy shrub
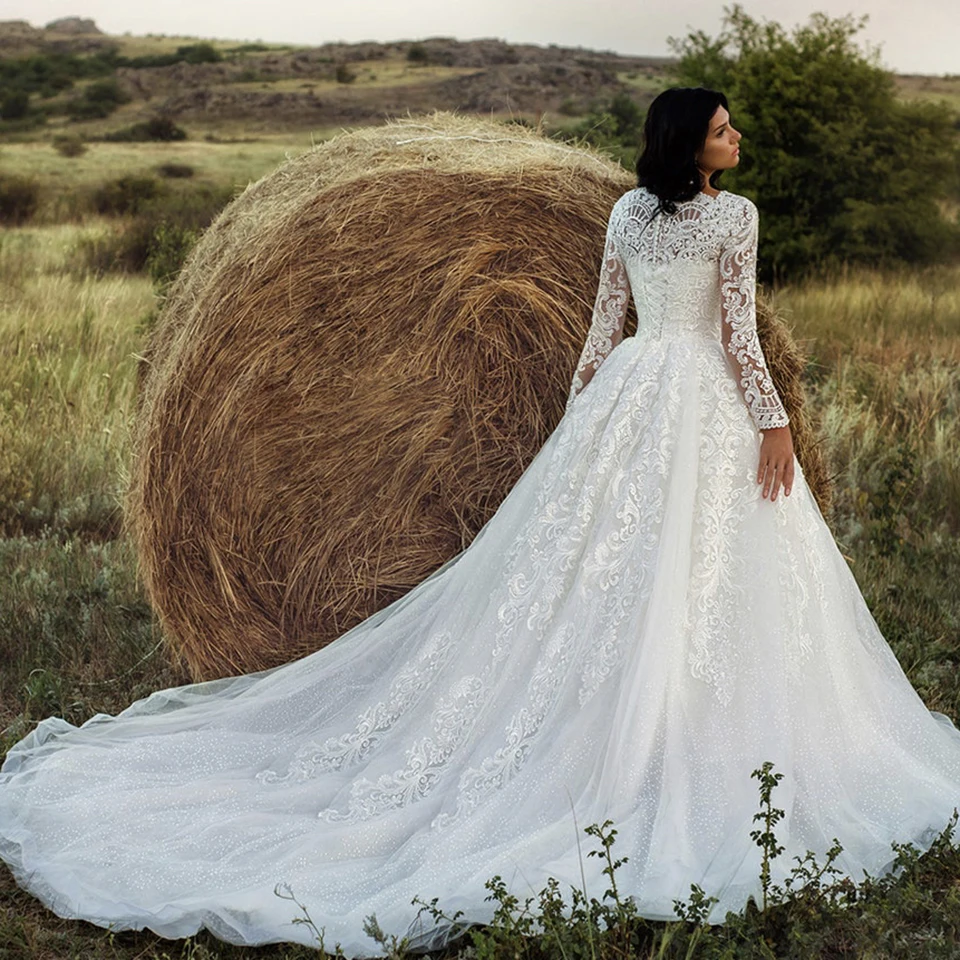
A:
{"x":79,"y":108}
{"x":175,"y":170}
{"x":421,"y":55}
{"x":150,"y":60}
{"x":125,"y":195}
{"x":617,"y":123}
{"x":158,"y":238}
{"x":47,"y":74}
{"x":99,"y":99}
{"x":106,"y":91}
{"x":170,"y":244}
{"x":69,"y":145}
{"x":19,"y":197}
{"x":417,"y":53}
{"x":159,"y":128}
{"x":199,"y":53}
{"x":189,"y":53}
{"x":162,"y":128}
{"x":249,"y":48}
{"x":345,"y":74}
{"x":15,"y":105}
{"x":123,"y":249}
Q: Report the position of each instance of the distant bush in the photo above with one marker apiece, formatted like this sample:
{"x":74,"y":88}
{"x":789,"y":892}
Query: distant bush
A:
{"x":19,"y":197}
{"x":175,"y":170}
{"x":614,"y":126}
{"x":125,"y":195}
{"x":48,"y":74}
{"x":199,"y":53}
{"x":248,"y":48}
{"x":15,"y":105}
{"x":159,"y":128}
{"x":418,"y":53}
{"x":33,"y":120}
{"x":190,"y":53}
{"x":158,"y":238}
{"x":345,"y":74}
{"x":627,"y":117}
{"x":151,"y":60}
{"x":106,"y":252}
{"x":69,"y":145}
{"x":616,"y":123}
{"x":106,"y":91}
{"x":99,"y":99}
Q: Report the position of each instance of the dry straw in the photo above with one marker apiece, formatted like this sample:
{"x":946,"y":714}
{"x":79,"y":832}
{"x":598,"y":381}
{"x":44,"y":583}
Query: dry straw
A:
{"x":360,"y":357}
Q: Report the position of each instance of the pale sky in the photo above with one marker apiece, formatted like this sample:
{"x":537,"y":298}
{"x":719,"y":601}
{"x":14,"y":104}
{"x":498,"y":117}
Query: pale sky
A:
{"x":914,"y":36}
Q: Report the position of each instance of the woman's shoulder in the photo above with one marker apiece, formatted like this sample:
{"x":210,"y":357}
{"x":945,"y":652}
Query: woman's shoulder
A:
{"x":739,"y":201}
{"x":637,"y":194}
{"x":740,"y":211}
{"x":638,"y":202}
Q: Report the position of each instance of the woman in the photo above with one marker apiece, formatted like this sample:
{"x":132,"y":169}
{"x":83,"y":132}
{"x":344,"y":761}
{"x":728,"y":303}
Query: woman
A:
{"x":642,"y":623}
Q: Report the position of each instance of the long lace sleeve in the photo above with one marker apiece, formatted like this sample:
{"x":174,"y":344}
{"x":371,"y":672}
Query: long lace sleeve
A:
{"x":738,"y":312}
{"x":609,"y":313}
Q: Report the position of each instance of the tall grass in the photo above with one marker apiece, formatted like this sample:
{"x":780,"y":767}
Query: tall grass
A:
{"x":68,"y":344}
{"x":883,"y":378}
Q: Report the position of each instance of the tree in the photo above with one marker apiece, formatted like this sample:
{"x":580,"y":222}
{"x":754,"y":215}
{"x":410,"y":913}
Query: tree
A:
{"x":840,"y":169}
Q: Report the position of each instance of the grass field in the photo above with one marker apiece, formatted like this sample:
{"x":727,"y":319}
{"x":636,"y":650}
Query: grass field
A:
{"x":77,"y":635}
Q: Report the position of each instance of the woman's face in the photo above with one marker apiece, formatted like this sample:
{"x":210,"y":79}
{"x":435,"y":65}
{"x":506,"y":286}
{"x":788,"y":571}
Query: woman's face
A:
{"x":719,"y":150}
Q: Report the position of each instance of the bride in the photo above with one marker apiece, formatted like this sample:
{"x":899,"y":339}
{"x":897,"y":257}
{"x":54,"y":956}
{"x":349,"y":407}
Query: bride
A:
{"x":643,"y":622}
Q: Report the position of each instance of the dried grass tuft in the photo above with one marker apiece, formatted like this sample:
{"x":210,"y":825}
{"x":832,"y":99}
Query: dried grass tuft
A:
{"x":359,"y":359}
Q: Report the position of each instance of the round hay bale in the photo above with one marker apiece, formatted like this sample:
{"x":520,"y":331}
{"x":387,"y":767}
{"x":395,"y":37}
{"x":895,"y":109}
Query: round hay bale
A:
{"x":357,"y":362}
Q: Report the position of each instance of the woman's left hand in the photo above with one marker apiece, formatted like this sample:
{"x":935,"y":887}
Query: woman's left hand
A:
{"x":776,"y":461}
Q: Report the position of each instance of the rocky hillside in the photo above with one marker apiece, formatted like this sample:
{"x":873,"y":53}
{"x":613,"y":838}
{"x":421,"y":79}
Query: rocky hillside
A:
{"x":283,"y":85}
{"x":349,"y":83}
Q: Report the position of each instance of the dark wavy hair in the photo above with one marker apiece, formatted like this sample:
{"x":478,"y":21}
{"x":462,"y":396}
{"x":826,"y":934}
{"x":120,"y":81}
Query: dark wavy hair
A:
{"x":675,"y":130}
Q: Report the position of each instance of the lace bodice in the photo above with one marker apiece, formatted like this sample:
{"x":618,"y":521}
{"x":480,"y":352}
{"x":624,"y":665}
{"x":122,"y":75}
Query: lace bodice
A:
{"x":691,"y":273}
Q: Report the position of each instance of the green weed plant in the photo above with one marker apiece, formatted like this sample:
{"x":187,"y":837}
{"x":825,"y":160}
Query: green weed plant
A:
{"x":816,"y":912}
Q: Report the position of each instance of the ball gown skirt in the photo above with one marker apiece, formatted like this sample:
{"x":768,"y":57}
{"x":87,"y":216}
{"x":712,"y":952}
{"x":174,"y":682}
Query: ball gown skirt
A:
{"x":633,"y":632}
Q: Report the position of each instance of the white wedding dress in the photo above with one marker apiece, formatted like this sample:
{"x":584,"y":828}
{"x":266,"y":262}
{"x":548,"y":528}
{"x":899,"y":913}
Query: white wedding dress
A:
{"x":633,"y":633}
